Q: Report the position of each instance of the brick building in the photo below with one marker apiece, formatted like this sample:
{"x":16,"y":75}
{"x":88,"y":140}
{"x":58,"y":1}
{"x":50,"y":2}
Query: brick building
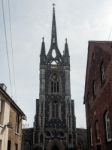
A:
{"x":98,"y":95}
{"x":11,"y":117}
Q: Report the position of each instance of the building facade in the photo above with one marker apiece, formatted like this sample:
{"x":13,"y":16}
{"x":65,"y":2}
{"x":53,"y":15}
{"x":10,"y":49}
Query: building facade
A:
{"x":54,"y":124}
{"x":98,"y":95}
{"x":81,"y":139}
{"x":11,"y":117}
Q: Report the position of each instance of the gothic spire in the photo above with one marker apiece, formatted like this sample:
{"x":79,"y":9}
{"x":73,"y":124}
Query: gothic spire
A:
{"x":66,"y":48}
{"x":54,"y":32}
{"x":66,"y":57}
{"x":43,"y":48}
{"x":43,"y":53}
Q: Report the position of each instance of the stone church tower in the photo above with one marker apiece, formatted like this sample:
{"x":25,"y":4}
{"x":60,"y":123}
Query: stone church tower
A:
{"x":54,"y":125}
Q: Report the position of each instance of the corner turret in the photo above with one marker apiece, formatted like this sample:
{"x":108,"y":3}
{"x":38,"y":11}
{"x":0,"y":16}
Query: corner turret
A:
{"x":66,"y":57}
{"x":43,"y":53}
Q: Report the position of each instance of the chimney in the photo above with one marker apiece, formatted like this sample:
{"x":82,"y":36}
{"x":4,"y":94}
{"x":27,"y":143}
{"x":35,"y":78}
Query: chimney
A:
{"x":3,"y":86}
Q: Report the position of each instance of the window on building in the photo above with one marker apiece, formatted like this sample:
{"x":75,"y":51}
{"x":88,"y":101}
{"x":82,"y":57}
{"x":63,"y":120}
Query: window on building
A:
{"x":0,"y":144}
{"x":69,"y":122}
{"x":2,"y":103}
{"x":70,"y":138}
{"x":16,"y":146}
{"x":9,"y":145}
{"x":41,"y":121}
{"x":27,"y":145}
{"x":36,"y":137}
{"x":17,"y":123}
{"x":42,"y":107}
{"x":91,"y":136}
{"x":41,"y":138}
{"x":102,"y":73}
{"x":97,"y":131}
{"x":54,"y":84}
{"x":108,"y":130}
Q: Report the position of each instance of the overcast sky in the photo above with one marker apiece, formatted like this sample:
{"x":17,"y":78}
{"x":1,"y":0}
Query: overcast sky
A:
{"x":78,"y":20}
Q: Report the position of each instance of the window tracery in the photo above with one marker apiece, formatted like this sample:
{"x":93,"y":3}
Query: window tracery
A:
{"x":55,"y":84}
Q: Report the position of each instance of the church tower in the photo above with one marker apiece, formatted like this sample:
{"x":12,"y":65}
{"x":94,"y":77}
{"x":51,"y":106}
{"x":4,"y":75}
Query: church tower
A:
{"x":54,"y":125}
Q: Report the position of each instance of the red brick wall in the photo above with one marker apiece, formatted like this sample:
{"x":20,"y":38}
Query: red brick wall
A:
{"x":98,"y":52}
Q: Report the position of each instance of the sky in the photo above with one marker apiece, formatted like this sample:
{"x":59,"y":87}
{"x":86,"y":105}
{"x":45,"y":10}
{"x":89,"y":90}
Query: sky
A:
{"x":77,"y":20}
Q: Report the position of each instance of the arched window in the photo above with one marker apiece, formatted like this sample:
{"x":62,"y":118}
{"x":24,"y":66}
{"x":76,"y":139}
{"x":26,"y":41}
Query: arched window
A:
{"x":108,"y":127}
{"x":91,"y":136}
{"x":54,"y":84}
{"x":97,"y":131}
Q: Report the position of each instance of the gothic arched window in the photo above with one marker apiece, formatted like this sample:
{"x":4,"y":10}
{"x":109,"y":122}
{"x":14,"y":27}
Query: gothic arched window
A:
{"x":108,"y":127}
{"x":54,"y":84}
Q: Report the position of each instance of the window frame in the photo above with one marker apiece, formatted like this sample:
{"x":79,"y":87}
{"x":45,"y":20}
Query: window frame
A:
{"x":91,"y":136}
{"x":102,"y":73}
{"x":108,"y":128}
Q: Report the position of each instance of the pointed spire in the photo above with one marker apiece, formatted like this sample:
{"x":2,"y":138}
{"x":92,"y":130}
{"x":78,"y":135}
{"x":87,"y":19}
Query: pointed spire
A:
{"x":54,"y":32}
{"x":66,"y":57}
{"x":43,"y":48}
{"x":66,"y":53}
{"x":43,"y":53}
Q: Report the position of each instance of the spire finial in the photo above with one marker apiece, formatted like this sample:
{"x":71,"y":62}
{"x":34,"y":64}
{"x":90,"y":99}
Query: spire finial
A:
{"x":66,"y":40}
{"x":42,"y":39}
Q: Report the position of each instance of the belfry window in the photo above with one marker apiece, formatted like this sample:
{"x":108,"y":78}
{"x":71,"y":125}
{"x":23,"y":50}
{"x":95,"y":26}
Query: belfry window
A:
{"x":55,"y":84}
{"x":108,"y":127}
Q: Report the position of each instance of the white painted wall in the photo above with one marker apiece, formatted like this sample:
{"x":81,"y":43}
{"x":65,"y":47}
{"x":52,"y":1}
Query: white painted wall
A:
{"x":3,"y":127}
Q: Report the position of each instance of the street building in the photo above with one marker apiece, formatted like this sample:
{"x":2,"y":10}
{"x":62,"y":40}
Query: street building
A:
{"x":11,"y":117}
{"x":98,"y":95}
